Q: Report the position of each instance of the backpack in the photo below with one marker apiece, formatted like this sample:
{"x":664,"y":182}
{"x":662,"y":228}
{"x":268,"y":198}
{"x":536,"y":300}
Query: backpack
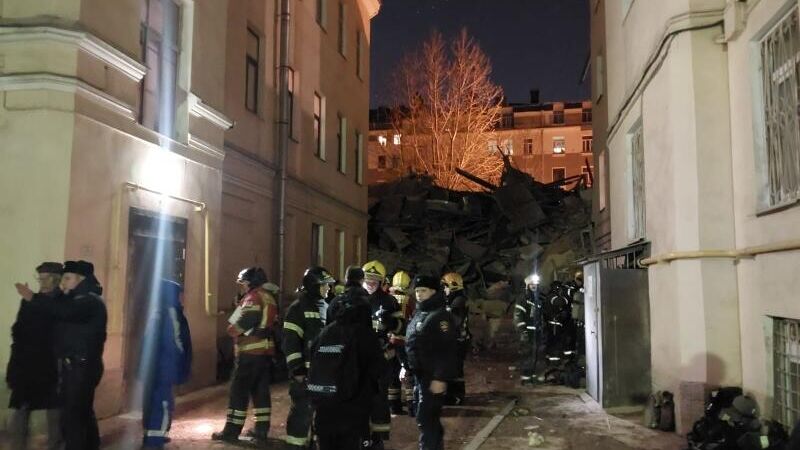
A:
{"x":333,"y":376}
{"x":666,"y":419}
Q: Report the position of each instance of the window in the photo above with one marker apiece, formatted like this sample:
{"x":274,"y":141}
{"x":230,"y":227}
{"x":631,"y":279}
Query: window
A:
{"x":396,"y":139}
{"x":626,"y":7}
{"x":290,"y":99}
{"x":637,"y":224}
{"x":381,"y":162}
{"x":252,"y":59}
{"x":786,"y":370}
{"x":340,"y":239}
{"x":342,"y":19}
{"x":587,"y":144}
{"x":317,"y":235}
{"x":508,"y":146}
{"x":358,"y":54}
{"x":558,"y":117}
{"x":601,"y":159}
{"x":586,"y":115}
{"x":357,"y":250}
{"x":507,"y":121}
{"x":599,"y":77}
{"x":382,"y":140}
{"x":587,"y":179}
{"x":559,"y":145}
{"x":160,"y":46}
{"x":359,"y":158}
{"x":395,"y":162}
{"x":781,"y":85}
{"x":559,"y":173}
{"x":341,"y":139}
{"x":321,"y":13}
{"x":528,"y":146}
{"x":319,"y":126}
{"x":491,"y":145}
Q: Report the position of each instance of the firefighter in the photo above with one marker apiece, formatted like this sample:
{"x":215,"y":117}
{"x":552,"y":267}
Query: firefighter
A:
{"x":387,"y":321}
{"x":401,"y":282}
{"x":527,"y":313}
{"x":431,"y":347}
{"x":457,"y":306}
{"x":252,"y":328}
{"x":305,"y":318}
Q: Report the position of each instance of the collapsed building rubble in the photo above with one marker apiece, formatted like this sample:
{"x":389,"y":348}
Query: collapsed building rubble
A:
{"x":492,"y":238}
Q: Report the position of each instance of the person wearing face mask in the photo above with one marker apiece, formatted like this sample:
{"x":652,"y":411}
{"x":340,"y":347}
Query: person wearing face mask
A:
{"x":387,"y":320}
{"x":305,"y":318}
{"x":431,"y":358}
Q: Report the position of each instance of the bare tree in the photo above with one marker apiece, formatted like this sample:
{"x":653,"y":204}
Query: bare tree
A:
{"x":446,"y":109}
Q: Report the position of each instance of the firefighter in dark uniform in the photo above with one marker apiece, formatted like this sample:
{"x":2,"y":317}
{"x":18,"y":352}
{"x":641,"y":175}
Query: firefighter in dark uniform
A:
{"x":457,"y":305}
{"x":401,"y":282}
{"x":305,"y":318}
{"x":527,"y":316}
{"x":80,"y":336}
{"x":431,"y":347}
{"x":252,"y":326}
{"x":387,"y":321}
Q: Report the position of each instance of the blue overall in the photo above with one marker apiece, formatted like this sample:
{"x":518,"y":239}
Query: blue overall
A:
{"x":168,"y":341}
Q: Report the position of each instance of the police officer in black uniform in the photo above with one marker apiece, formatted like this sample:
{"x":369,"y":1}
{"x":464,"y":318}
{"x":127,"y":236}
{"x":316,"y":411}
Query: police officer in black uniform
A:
{"x":305,"y":318}
{"x":80,"y":337}
{"x":457,"y":305}
{"x":431,"y":349}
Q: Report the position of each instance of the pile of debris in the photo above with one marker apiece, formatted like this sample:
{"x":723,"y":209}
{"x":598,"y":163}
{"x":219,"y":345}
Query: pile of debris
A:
{"x":492,"y":238}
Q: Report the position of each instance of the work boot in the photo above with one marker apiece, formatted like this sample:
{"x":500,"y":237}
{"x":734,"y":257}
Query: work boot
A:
{"x":258,"y":438}
{"x":412,"y":409}
{"x":225,"y":436}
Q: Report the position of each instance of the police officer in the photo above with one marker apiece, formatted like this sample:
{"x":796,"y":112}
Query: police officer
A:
{"x":431,"y":346}
{"x":80,"y":337}
{"x":169,"y":348}
{"x":527,"y":316}
{"x":401,"y":282}
{"x":457,"y":305}
{"x":305,"y":318}
{"x":252,"y":327}
{"x":387,"y":321}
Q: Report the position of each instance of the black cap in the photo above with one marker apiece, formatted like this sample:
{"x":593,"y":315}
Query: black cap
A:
{"x":428,"y":282}
{"x":81,"y":267}
{"x":354,"y":274}
{"x":50,"y":267}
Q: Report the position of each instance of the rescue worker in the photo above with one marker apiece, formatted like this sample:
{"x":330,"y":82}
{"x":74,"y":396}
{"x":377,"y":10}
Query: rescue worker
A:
{"x":386,"y":320}
{"x":80,"y":336}
{"x":345,"y":424}
{"x":169,"y":344}
{"x":252,"y":327}
{"x":401,"y":282}
{"x":305,"y":318}
{"x":431,"y":347}
{"x":527,"y":316}
{"x":32,"y":374}
{"x":457,"y":306}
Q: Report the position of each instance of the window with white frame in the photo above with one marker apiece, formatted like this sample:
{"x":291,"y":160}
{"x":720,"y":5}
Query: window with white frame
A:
{"x":341,"y":138}
{"x":359,"y":158}
{"x":359,"y":55}
{"x":319,"y":126}
{"x":491,"y":145}
{"x":786,"y":370}
{"x":160,"y":33}
{"x":252,"y":63}
{"x":601,"y":194}
{"x":382,"y":140}
{"x":587,"y":144}
{"x":780,"y":61}
{"x":342,"y":41}
{"x":638,"y":209}
{"x":317,"y":244}
{"x":341,"y":250}
{"x":559,"y":173}
{"x":290,"y":75}
{"x":396,"y":139}
{"x":357,"y":250}
{"x":508,"y":146}
{"x":559,"y":145}
{"x":321,"y":12}
{"x":528,"y":146}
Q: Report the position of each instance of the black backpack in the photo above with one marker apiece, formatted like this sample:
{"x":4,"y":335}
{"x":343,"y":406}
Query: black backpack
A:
{"x":333,"y":376}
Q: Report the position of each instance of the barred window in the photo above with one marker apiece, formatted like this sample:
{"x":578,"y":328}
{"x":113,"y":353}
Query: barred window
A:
{"x":780,"y":59}
{"x":786,"y":360}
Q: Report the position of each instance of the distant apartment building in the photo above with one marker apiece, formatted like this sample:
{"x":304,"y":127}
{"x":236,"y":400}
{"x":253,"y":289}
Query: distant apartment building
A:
{"x":550,"y":141}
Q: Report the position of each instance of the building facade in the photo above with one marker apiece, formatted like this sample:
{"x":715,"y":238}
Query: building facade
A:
{"x":141,"y":135}
{"x":550,"y":141}
{"x":704,"y":164}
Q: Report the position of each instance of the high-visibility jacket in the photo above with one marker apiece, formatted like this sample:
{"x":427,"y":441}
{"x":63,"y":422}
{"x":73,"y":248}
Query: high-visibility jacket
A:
{"x":303,"y":322}
{"x":253,"y":328}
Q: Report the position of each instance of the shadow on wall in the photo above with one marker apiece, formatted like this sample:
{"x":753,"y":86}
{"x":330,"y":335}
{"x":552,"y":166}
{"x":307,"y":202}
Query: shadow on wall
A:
{"x":691,"y":396}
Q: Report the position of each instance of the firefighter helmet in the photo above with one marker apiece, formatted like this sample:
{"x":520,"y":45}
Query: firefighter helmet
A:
{"x":401,"y":280}
{"x":374,"y":271}
{"x":579,"y":276}
{"x":254,"y":276}
{"x":315,"y":277}
{"x":453,"y":281}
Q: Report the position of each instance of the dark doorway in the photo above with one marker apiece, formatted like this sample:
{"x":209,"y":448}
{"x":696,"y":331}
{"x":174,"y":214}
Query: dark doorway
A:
{"x":156,"y":250}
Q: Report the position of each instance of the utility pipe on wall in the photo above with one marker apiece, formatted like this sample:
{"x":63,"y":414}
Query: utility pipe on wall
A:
{"x":747,"y":252}
{"x":282,"y":125}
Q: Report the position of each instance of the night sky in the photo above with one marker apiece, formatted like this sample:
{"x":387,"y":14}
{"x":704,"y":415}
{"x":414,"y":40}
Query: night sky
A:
{"x":532,"y":43}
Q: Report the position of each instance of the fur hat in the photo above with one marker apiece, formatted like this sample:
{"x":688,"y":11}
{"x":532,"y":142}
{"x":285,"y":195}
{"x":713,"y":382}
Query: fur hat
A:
{"x":81,"y":267}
